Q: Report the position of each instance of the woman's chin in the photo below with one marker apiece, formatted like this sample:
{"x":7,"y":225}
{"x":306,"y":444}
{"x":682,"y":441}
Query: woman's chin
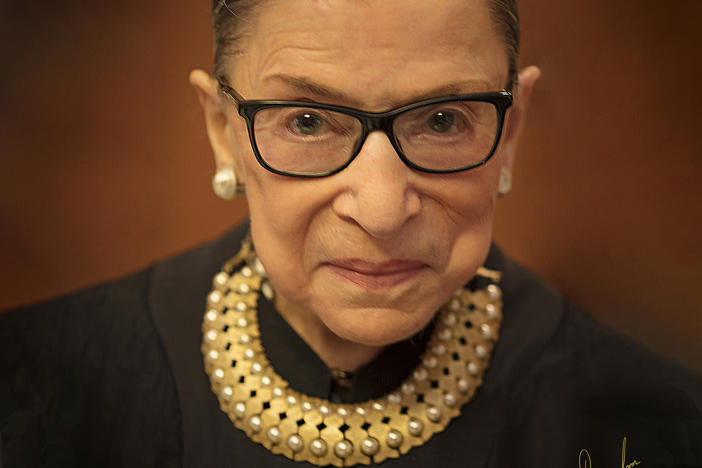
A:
{"x":375,"y":326}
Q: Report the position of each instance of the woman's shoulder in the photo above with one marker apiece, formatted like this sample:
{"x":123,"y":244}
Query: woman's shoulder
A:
{"x":583,"y":385}
{"x":97,"y":359}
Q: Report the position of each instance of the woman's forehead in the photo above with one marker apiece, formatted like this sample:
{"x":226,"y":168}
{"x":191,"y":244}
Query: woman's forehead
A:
{"x":372,"y":45}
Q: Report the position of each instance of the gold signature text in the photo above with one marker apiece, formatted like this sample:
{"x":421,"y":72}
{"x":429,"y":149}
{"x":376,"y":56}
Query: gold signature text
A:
{"x":585,"y":461}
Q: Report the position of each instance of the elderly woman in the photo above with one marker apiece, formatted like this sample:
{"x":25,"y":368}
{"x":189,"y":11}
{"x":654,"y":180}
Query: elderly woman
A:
{"x":362,"y":316}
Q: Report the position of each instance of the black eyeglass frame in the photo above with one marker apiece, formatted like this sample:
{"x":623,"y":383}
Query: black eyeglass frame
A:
{"x":370,"y":121}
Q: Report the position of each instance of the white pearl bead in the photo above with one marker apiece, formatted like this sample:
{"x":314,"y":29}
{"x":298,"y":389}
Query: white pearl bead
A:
{"x":292,"y":401}
{"x":246,"y":272}
{"x":256,"y":368}
{"x":241,"y":322}
{"x":450,"y":400}
{"x":494,"y":291}
{"x":343,"y":448}
{"x":240,"y":409}
{"x":485,"y":330}
{"x":463,"y":386}
{"x":244,"y":288}
{"x":394,"y":398}
{"x":241,"y":306}
{"x":215,"y":297}
{"x":433,"y":414}
{"x":255,"y":423}
{"x":455,"y":305}
{"x":267,"y":291}
{"x":296,"y":443}
{"x":213,"y":355}
{"x":227,"y":393}
{"x":324,"y":410}
{"x":445,"y":334}
{"x":420,"y":374}
{"x":278,"y":393}
{"x":249,"y":354}
{"x":245,"y":339}
{"x":377,"y":406}
{"x":415,"y":427}
{"x":439,"y":349}
{"x":370,"y":446}
{"x":307,"y":406}
{"x":219,"y":374}
{"x":360,"y":411}
{"x":450,"y":320}
{"x":318,"y":448}
{"x":274,"y":435}
{"x":211,"y":335}
{"x":258,"y":266}
{"x":491,"y":311}
{"x":211,"y":315}
{"x":221,"y":279}
{"x":407,"y":388}
{"x":430,"y":362}
{"x":342,"y":412}
{"x":266,"y":381}
{"x":472,"y":368}
{"x":394,"y":439}
{"x":481,"y":351}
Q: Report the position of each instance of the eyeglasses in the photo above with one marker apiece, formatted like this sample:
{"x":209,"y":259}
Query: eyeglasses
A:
{"x":309,"y":139}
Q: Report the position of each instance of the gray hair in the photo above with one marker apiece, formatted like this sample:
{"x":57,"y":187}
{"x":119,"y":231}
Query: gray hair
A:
{"x":229,"y":17}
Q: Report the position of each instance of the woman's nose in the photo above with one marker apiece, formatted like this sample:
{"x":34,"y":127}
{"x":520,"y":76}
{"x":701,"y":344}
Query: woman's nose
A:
{"x":379,"y":195}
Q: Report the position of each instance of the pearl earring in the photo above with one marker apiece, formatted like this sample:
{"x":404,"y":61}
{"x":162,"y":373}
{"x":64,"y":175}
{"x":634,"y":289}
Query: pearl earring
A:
{"x":224,"y":183}
{"x":505,"y":184}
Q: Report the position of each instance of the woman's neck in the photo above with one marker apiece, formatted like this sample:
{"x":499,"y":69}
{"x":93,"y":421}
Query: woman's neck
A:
{"x":333,"y":350}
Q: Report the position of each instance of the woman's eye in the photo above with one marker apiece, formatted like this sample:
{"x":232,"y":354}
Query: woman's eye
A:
{"x":307,"y":124}
{"x":443,"y":122}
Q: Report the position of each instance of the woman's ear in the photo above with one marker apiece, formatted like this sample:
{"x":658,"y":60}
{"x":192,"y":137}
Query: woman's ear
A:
{"x":517,"y":114}
{"x":219,"y":129}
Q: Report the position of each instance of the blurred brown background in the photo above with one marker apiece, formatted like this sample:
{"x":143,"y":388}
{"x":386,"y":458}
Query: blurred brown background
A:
{"x":105,"y":166}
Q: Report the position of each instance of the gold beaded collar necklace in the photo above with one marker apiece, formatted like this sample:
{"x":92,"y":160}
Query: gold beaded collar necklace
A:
{"x":260,"y":402}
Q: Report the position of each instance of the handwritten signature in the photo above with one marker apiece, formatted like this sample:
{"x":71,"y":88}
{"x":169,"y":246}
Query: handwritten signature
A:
{"x":585,"y":461}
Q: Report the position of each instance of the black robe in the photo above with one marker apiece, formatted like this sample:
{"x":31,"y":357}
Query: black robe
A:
{"x":113,"y":377}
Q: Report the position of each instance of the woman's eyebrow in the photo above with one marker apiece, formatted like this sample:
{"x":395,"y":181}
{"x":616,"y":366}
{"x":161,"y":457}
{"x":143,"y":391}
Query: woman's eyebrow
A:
{"x":328,"y":93}
{"x":309,"y":86}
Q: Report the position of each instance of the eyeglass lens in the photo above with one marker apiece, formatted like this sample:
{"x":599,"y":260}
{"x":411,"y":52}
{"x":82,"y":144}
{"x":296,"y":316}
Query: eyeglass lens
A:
{"x":443,"y":136}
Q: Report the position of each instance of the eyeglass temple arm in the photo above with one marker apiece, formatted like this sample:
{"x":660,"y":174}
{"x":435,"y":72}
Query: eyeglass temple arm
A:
{"x":229,"y":91}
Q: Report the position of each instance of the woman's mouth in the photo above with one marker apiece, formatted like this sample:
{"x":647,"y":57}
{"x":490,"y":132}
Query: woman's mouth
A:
{"x":372,"y":275}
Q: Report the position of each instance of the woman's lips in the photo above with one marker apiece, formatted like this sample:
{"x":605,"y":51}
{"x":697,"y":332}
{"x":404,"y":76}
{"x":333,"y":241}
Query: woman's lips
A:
{"x":370,"y":275}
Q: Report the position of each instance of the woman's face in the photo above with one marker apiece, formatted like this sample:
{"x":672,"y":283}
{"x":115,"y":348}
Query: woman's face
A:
{"x":375,"y":250}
